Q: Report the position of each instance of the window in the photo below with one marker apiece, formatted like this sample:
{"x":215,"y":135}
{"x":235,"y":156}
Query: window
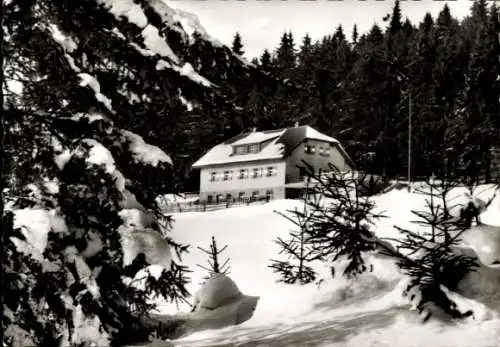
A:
{"x":309,"y":149}
{"x":254,"y":148}
{"x":213,"y":176}
{"x":241,"y":195}
{"x":255,"y":194}
{"x":210,"y":199}
{"x":228,"y":175}
{"x":302,"y":172}
{"x":257,"y":173}
{"x":271,"y":171}
{"x":228,"y":197}
{"x":325,"y":152}
{"x":243,"y":174}
{"x":240,"y":149}
{"x":269,"y":194}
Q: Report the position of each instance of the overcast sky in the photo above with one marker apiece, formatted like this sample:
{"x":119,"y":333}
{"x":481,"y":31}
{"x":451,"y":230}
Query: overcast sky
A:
{"x":261,"y":23}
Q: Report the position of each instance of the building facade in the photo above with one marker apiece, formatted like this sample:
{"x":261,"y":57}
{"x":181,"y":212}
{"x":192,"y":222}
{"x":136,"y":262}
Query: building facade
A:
{"x":263,"y":164}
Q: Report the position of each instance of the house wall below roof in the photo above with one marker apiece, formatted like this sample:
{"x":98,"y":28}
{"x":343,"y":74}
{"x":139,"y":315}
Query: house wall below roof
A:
{"x":235,"y":184}
{"x":316,"y":160}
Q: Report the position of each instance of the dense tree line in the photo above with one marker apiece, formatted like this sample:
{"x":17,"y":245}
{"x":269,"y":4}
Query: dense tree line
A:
{"x":358,"y":90}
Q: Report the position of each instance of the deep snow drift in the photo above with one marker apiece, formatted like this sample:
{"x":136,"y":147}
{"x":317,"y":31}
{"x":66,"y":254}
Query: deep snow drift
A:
{"x":367,"y":311}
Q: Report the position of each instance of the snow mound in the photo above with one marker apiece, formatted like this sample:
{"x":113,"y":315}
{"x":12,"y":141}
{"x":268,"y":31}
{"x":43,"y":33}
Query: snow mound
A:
{"x":485,"y":240}
{"x":215,"y":292}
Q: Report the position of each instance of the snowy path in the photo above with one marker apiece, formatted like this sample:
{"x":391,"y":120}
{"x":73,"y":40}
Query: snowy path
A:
{"x":334,"y":331}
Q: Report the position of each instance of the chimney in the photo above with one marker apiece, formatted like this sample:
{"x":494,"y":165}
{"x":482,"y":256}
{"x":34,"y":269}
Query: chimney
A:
{"x":296,"y":124}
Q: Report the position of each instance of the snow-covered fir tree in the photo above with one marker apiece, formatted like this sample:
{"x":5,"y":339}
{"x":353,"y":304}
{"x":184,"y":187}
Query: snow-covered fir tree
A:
{"x":87,"y":85}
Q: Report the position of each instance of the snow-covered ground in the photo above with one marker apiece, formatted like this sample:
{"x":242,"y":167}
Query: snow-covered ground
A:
{"x":368,"y":311}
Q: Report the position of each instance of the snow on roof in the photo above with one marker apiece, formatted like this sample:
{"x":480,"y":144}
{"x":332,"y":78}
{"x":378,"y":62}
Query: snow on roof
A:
{"x":222,"y":153}
{"x":283,"y":142}
{"x":257,"y":137}
{"x":314,"y":134}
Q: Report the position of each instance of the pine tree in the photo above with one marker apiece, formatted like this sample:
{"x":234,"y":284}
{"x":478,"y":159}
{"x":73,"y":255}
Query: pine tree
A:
{"x":266,"y":61}
{"x":214,"y":264}
{"x":355,"y":34}
{"x":297,"y":248}
{"x":285,"y":58}
{"x":76,"y":158}
{"x":339,"y":227}
{"x":396,"y":19}
{"x":431,"y":257}
{"x":237,"y":45}
{"x":476,"y":116}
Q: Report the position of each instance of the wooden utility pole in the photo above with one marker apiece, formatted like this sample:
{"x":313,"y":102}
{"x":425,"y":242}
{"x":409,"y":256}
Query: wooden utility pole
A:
{"x":409,"y":140}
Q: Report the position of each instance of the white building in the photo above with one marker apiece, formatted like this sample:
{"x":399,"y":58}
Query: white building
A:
{"x":265,"y":163}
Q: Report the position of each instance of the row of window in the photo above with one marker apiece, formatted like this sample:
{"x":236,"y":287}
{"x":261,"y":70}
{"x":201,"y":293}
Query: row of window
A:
{"x":228,"y":175}
{"x":245,"y":149}
{"x":241,"y":195}
{"x":311,"y":149}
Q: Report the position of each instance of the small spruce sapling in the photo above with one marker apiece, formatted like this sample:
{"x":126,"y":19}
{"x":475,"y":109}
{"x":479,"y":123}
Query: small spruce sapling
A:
{"x":214,"y":265}
{"x":340,"y":226}
{"x":299,"y":251}
{"x":430,"y":257}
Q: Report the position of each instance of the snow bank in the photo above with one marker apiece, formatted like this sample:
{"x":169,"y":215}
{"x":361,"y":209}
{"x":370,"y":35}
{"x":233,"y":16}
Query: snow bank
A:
{"x":368,"y":311}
